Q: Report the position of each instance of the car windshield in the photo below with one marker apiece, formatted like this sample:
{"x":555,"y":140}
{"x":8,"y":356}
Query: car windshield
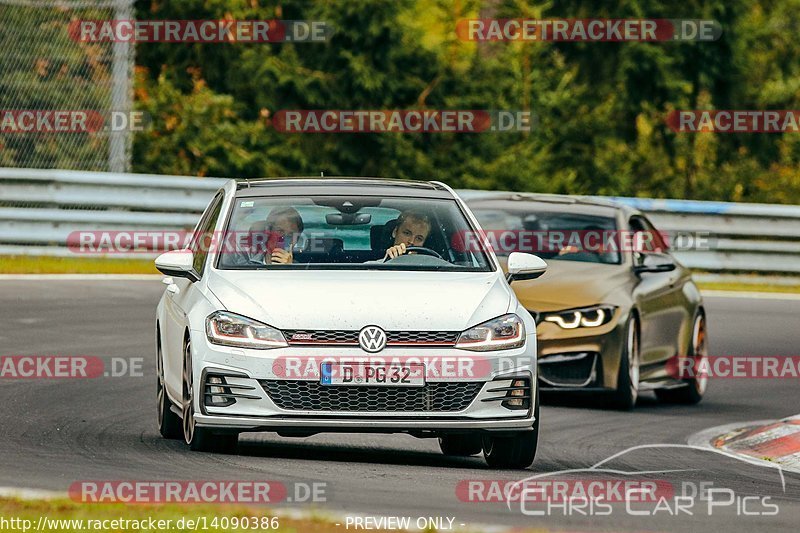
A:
{"x":559,"y":235}
{"x":348,"y":232}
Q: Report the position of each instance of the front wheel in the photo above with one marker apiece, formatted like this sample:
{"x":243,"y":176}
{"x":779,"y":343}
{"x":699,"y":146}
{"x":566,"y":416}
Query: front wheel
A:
{"x":169,"y":424}
{"x":198,"y":438}
{"x":695,"y":387}
{"x":516,"y":451}
{"x":628,"y":378}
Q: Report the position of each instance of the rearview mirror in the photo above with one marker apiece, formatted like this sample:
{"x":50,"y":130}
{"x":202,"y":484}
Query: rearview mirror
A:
{"x":347,"y":219}
{"x":177,"y":263}
{"x":522,"y":266}
{"x":653,"y":262}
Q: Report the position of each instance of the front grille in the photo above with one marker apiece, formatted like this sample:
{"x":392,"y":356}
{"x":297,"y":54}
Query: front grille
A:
{"x":421,"y":337}
{"x":303,"y":336}
{"x":297,"y":395}
{"x":306,"y":336}
{"x":578,"y":372}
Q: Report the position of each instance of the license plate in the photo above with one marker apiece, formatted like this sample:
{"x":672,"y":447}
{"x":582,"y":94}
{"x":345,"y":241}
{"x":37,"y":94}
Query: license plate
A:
{"x":372,"y":375}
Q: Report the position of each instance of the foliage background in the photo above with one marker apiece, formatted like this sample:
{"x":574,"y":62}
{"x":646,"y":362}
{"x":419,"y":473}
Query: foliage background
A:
{"x":601,"y":107}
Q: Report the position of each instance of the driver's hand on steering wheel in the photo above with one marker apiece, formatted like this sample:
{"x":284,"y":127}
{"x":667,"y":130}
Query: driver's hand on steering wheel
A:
{"x":395,"y":251}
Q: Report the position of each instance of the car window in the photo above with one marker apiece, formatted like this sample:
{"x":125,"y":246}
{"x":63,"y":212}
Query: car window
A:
{"x":649,"y":240}
{"x":203,"y":239}
{"x":348,"y":232}
{"x":559,"y":235}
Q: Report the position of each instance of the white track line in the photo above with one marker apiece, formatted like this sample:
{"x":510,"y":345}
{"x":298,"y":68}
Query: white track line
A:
{"x":751,"y":295}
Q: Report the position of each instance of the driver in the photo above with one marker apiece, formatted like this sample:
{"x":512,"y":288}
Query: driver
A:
{"x":412,"y":229}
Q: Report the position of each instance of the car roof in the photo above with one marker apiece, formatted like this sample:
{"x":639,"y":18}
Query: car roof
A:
{"x":341,"y":186}
{"x":588,"y":205}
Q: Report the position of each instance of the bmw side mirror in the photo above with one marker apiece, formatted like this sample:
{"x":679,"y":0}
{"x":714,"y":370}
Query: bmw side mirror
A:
{"x":177,"y":263}
{"x":653,"y":262}
{"x":522,"y":266}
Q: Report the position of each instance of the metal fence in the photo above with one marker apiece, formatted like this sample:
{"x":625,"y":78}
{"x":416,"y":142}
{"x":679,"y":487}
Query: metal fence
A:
{"x":39,"y":209}
{"x":44,"y":67}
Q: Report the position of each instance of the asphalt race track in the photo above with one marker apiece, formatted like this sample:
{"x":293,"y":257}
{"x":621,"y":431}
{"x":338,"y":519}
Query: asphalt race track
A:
{"x":56,"y":432}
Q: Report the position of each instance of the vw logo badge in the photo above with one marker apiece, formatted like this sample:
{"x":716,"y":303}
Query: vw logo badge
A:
{"x":372,"y":339}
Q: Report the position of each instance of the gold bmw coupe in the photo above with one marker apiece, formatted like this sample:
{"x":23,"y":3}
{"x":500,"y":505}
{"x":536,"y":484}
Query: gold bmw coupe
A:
{"x":616,"y":313}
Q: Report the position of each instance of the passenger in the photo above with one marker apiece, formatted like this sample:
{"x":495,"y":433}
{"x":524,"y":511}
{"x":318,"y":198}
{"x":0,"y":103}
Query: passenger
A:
{"x":282,"y":228}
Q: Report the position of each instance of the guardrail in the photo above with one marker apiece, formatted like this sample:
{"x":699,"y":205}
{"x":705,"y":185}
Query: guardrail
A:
{"x":40,"y":208}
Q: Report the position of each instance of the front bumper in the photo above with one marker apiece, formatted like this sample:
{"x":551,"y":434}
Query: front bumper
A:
{"x":256,"y":410}
{"x":582,"y":359}
{"x":362,"y":425}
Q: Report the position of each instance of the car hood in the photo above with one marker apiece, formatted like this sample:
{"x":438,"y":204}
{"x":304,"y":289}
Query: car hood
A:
{"x":570,"y":284}
{"x":419,"y":301}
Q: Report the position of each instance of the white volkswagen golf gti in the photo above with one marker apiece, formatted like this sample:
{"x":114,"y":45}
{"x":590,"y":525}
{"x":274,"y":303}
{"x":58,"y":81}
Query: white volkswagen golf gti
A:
{"x":304,"y":306}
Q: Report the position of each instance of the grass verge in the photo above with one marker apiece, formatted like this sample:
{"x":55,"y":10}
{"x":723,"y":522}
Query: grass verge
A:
{"x":28,"y":264}
{"x":748,"y":287}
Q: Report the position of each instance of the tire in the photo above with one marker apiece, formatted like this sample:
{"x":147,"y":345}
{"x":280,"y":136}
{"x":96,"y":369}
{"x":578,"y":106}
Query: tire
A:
{"x":517,"y":451}
{"x":199,"y":439}
{"x":624,"y":398}
{"x":169,"y":424}
{"x":460,"y":445}
{"x":696,"y":386}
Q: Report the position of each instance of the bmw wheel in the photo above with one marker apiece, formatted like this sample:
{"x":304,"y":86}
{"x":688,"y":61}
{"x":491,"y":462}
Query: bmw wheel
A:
{"x":628,"y":378}
{"x":696,"y":386}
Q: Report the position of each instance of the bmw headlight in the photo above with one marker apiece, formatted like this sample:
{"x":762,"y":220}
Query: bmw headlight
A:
{"x":230,"y":329}
{"x":588,"y":317}
{"x":501,"y":333}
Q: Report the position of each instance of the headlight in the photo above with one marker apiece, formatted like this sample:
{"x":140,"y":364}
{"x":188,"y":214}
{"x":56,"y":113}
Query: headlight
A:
{"x":501,"y":333}
{"x":589,"y":317}
{"x":229,"y":329}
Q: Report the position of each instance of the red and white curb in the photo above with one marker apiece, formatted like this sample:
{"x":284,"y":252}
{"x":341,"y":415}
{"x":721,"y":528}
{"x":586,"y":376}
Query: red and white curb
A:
{"x":774,"y":442}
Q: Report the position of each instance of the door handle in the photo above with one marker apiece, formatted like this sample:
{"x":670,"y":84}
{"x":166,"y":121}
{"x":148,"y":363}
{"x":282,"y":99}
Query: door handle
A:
{"x":167,"y":281}
{"x":173,"y":289}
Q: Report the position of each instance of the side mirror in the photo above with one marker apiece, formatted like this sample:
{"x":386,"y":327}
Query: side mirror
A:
{"x":177,"y":263}
{"x":522,"y":266}
{"x":653,"y":262}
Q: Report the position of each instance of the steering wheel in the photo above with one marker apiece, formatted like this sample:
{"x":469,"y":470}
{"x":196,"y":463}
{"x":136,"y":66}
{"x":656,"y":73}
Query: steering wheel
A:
{"x":422,"y":250}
